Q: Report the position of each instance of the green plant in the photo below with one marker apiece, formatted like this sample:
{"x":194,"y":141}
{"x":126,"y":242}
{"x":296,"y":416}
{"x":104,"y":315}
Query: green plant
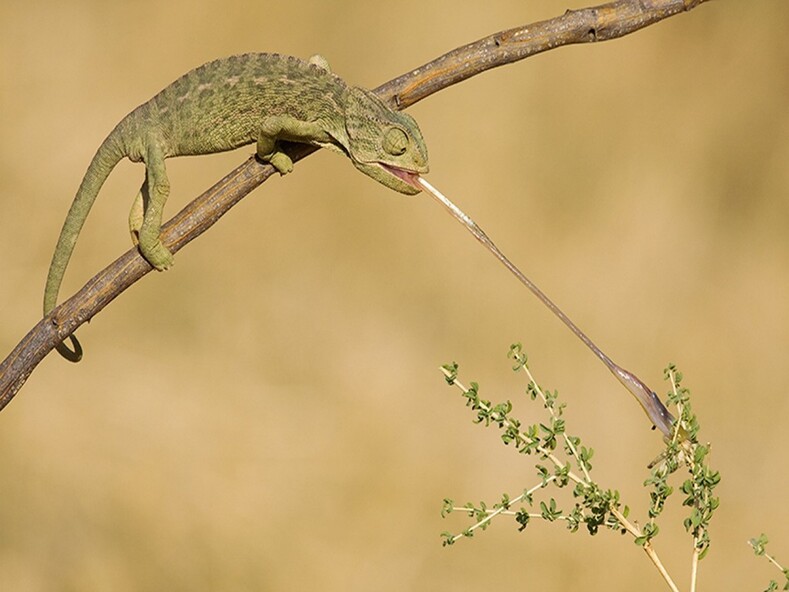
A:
{"x":565,"y":462}
{"x":758,"y":544}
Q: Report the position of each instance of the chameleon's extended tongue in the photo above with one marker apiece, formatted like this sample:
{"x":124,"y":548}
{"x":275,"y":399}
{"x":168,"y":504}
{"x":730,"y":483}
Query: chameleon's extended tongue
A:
{"x":652,"y":405}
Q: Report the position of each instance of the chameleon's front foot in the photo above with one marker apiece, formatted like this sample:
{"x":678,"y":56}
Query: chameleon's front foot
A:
{"x":269,"y":148}
{"x":279,"y":160}
{"x":157,"y":254}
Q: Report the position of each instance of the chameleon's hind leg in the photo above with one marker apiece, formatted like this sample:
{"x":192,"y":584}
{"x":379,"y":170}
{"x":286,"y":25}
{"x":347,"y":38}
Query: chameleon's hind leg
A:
{"x":136,"y":217}
{"x":153,"y":195}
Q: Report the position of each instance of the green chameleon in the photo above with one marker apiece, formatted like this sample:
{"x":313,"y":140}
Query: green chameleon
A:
{"x":231,"y":102}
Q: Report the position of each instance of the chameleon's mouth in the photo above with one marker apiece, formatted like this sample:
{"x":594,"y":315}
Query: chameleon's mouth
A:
{"x":409,"y":177}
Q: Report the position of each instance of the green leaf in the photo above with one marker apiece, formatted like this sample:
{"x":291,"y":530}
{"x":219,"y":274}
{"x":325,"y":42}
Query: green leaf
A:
{"x":516,"y":353}
{"x":522,"y":518}
{"x":452,"y":368}
{"x":696,"y":518}
{"x":549,"y":511}
{"x":562,"y":475}
{"x":758,"y":544}
{"x":505,"y":502}
{"x":543,"y":473}
{"x":704,"y":552}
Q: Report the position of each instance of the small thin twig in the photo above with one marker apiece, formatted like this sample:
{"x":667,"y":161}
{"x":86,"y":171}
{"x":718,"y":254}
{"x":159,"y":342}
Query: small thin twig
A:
{"x":541,"y":449}
{"x":491,"y":514}
{"x":694,"y":565}
{"x":598,"y":23}
{"x":772,"y":560}
{"x":567,"y":440}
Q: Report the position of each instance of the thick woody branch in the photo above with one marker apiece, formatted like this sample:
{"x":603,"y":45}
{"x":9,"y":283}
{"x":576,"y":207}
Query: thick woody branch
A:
{"x":600,"y":23}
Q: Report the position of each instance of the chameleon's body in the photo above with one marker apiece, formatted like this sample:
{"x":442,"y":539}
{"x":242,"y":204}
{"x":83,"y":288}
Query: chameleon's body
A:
{"x":252,"y":98}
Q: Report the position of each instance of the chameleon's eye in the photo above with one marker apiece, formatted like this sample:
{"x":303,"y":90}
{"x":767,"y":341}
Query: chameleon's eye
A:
{"x":395,"y":141}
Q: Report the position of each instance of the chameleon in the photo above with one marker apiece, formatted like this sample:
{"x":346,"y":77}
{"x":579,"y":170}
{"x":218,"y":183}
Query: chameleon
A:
{"x":261,"y":98}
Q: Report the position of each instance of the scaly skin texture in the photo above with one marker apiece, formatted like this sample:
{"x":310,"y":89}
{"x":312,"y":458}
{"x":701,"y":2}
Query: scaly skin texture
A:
{"x":231,"y":102}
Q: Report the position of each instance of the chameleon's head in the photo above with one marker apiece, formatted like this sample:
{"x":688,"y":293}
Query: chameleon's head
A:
{"x":384,"y":144}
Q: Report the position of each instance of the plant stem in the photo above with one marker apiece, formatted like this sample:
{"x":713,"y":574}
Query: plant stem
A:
{"x":694,"y":565}
{"x":502,"y":510}
{"x":567,"y":440}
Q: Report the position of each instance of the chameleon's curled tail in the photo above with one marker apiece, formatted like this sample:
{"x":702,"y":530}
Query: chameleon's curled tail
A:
{"x":107,"y":156}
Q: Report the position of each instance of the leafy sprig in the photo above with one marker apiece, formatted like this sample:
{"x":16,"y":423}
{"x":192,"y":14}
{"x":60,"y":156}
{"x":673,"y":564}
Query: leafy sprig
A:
{"x":569,"y":463}
{"x":758,"y":544}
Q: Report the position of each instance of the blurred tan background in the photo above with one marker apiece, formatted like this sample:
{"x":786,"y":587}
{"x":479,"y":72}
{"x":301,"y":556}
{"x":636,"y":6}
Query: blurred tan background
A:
{"x":269,"y":415}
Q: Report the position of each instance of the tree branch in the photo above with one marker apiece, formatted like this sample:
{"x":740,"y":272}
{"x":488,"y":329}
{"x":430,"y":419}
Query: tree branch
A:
{"x":599,"y":23}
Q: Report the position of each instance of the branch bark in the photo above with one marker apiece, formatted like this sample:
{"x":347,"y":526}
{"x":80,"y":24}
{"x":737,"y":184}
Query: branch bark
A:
{"x":588,"y":25}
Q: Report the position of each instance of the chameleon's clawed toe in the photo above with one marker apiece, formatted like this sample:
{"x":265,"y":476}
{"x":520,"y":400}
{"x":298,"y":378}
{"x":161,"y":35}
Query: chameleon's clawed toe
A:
{"x":158,"y":256}
{"x":281,"y":162}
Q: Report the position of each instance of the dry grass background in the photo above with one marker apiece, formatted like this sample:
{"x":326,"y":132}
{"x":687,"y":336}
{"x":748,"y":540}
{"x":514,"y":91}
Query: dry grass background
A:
{"x":269,"y":415}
